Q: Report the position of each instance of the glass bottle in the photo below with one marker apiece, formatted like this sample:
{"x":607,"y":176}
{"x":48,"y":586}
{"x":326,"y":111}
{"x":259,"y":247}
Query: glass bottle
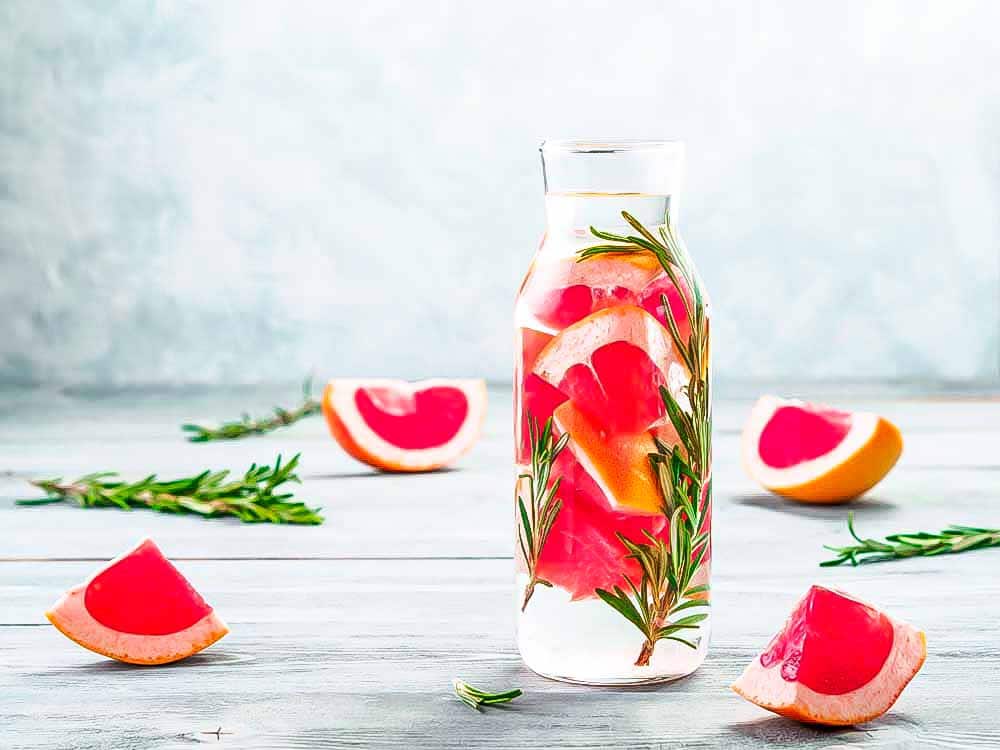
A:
{"x":612,"y":424}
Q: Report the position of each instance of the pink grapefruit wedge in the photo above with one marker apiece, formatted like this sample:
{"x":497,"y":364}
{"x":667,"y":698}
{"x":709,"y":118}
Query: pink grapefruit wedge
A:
{"x":817,"y":454}
{"x":138,"y":609}
{"x":394,"y":425}
{"x":611,"y":365}
{"x":837,"y":661}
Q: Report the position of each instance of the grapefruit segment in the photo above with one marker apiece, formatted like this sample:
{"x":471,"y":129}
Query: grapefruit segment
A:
{"x":399,"y":426}
{"x":816,"y":454}
{"x":582,"y":552}
{"x":611,"y":365}
{"x":618,"y":463}
{"x":138,"y":609}
{"x":837,"y":661}
{"x":561,"y":293}
{"x":537,"y":397}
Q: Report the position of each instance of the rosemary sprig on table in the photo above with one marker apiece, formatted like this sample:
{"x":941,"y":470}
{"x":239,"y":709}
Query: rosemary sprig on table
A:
{"x":247,"y":425}
{"x":476,"y":698}
{"x":252,"y":498}
{"x":543,"y":506}
{"x":951,"y":540}
{"x":683,"y":476}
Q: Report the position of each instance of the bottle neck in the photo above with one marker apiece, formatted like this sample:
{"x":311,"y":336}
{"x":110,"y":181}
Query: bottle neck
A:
{"x":575,"y":213}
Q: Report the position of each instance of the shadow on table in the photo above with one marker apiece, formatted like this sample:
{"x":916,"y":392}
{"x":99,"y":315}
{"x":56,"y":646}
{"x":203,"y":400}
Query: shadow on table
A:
{"x":198,"y":661}
{"x":781,"y":732}
{"x":375,"y":473}
{"x":869,"y":507}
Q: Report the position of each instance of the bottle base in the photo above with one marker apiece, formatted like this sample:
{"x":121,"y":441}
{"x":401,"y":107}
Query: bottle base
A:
{"x":615,"y":682}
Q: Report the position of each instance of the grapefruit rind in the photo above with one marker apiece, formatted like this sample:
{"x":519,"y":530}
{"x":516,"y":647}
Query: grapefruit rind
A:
{"x":70,"y":616}
{"x":766,"y":687}
{"x":361,"y":442}
{"x":859,"y":462}
{"x":619,"y":464}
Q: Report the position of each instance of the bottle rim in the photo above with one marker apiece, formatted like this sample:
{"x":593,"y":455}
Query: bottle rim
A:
{"x":608,"y":145}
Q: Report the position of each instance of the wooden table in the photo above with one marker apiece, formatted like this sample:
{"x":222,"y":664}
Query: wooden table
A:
{"x":348,"y":634}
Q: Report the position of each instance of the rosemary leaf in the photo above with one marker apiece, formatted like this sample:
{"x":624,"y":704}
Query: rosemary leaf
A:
{"x":537,"y":516}
{"x":475,"y":698}
{"x":952,"y":540}
{"x":252,"y":498}
{"x":246,"y":425}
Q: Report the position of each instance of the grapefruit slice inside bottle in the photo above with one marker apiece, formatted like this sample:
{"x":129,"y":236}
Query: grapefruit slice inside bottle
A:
{"x":611,"y":365}
{"x":582,"y":552}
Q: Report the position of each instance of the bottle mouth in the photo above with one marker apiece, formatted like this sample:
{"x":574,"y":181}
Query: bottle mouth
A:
{"x":612,"y":165}
{"x":608,"y":145}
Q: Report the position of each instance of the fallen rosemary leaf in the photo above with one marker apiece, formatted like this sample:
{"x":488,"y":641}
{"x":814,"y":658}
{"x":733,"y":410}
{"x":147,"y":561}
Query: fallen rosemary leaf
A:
{"x":475,"y":698}
{"x":247,"y":426}
{"x":952,"y":540}
{"x":252,"y":498}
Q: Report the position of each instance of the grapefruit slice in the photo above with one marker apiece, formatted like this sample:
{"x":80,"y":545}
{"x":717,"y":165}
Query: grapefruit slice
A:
{"x":582,"y":552}
{"x":837,"y":661}
{"x":139,"y":609}
{"x":535,"y":397}
{"x":561,"y":293}
{"x":611,"y":365}
{"x":618,"y":463}
{"x":816,"y":454}
{"x":399,"y":426}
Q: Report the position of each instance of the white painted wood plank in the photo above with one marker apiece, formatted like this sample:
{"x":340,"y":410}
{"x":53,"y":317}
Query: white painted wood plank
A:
{"x":314,"y":661}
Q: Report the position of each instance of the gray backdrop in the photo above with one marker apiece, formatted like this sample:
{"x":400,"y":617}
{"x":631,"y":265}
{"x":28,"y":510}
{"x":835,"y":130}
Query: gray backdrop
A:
{"x":243,"y":191}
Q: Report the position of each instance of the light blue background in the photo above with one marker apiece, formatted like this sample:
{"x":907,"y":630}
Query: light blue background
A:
{"x":244,"y":191}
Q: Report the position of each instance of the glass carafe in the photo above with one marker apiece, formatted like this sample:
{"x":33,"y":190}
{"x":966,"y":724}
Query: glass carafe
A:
{"x":612,"y":424}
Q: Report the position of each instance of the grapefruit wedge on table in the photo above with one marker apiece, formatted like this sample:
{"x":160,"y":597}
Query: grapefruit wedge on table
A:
{"x":399,"y":426}
{"x":138,"y":609}
{"x":817,"y":454}
{"x":837,"y":661}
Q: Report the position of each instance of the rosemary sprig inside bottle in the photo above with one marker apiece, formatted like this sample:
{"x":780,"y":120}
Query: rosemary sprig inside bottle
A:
{"x":253,"y":498}
{"x":476,"y":698}
{"x":248,"y":425}
{"x":683,"y":476}
{"x":543,"y":505}
{"x":949,"y":541}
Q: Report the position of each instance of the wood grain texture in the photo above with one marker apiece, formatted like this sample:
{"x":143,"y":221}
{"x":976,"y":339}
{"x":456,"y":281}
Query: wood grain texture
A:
{"x":348,"y":635}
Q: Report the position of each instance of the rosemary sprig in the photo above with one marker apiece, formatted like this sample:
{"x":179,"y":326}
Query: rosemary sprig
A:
{"x":476,"y":698}
{"x":252,"y":498}
{"x":537,"y":517}
{"x":683,"y":476}
{"x":246,"y":425}
{"x":949,"y":541}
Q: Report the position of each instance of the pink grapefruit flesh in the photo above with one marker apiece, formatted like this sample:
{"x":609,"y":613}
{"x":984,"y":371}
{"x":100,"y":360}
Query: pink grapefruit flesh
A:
{"x":138,"y":609}
{"x":582,"y":552}
{"x":837,"y":661}
{"x":795,"y":434}
{"x":399,"y":426}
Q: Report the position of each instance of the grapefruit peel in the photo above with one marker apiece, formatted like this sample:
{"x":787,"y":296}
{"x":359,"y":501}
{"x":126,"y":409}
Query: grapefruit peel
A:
{"x":868,"y":447}
{"x":71,"y":616}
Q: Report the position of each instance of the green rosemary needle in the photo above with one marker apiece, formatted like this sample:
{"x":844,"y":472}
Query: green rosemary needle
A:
{"x":247,"y":425}
{"x":252,"y":498}
{"x":476,"y":698}
{"x":951,"y":540}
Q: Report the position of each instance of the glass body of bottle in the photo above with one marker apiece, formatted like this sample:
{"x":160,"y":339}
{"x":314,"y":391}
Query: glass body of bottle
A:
{"x":612,"y":424}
